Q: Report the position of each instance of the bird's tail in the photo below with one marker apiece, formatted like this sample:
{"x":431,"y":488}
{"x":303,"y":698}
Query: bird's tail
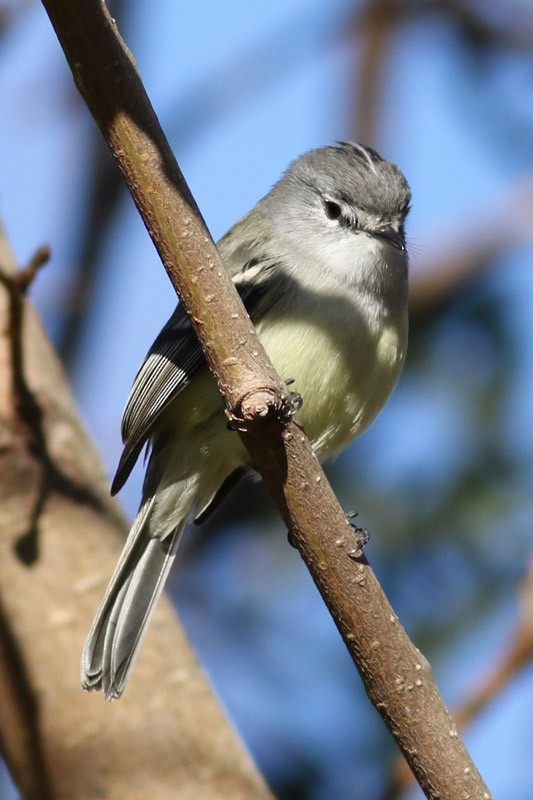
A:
{"x":130,"y":599}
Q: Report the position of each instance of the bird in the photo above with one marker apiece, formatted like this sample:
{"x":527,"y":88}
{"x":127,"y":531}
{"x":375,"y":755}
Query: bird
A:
{"x":321,"y":265}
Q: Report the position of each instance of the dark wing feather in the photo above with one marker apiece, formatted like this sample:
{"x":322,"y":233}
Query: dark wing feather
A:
{"x":168,"y":367}
{"x":171,"y":362}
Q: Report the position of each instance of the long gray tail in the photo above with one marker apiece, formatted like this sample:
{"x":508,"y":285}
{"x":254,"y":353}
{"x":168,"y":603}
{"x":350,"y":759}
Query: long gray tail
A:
{"x":134,"y":589}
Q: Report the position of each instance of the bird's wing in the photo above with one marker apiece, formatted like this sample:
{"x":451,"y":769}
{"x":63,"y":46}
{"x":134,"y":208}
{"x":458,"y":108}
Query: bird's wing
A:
{"x":171,"y":362}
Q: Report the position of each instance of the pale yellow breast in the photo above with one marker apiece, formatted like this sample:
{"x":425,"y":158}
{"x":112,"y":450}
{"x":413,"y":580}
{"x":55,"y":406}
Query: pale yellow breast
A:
{"x":344,"y":375}
{"x":344,"y":370}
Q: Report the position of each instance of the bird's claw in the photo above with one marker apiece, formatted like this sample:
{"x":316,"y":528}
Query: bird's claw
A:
{"x":361,"y":535}
{"x":296,"y":403}
{"x":296,"y":400}
{"x":234,"y":423}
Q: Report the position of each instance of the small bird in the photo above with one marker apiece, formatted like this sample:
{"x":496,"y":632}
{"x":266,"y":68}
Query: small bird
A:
{"x":321,"y":266}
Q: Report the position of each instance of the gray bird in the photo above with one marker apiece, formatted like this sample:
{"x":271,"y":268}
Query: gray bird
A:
{"x":321,"y":266}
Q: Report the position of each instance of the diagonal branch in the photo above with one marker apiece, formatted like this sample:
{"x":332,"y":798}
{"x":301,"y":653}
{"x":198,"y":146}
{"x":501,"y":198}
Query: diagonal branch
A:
{"x":397,"y":678}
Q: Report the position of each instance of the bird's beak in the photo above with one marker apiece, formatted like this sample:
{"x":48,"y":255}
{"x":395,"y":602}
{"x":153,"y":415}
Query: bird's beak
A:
{"x":396,"y":238}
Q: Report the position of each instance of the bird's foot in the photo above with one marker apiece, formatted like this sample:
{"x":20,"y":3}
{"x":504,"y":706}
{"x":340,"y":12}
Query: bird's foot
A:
{"x":296,"y":399}
{"x":361,"y":536}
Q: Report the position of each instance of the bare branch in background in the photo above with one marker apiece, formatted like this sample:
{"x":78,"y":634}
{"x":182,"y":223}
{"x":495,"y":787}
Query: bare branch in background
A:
{"x":515,"y":657}
{"x":169,"y":739}
{"x":370,"y":33}
{"x":104,"y":192}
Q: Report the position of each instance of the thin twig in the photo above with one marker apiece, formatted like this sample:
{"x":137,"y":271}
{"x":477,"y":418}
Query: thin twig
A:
{"x":29,"y":412}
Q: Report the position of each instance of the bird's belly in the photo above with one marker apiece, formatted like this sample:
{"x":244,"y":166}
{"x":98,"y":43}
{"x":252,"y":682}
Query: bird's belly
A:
{"x":344,"y":380}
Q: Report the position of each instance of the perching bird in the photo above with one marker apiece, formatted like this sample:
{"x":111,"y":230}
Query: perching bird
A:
{"x":321,"y":266}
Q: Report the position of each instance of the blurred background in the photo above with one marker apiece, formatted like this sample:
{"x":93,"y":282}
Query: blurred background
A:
{"x":443,"y":480}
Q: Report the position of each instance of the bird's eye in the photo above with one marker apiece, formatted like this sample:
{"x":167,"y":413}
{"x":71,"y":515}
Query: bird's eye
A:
{"x":333,"y":210}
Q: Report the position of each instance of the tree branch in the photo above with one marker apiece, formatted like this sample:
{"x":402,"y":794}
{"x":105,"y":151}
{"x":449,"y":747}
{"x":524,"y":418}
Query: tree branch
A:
{"x":396,"y":676}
